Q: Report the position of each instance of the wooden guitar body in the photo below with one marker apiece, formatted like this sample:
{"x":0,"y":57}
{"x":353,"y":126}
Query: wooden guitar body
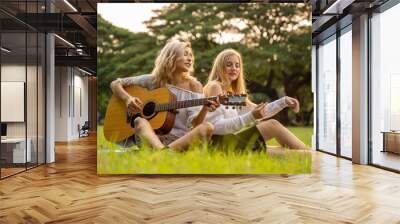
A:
{"x":117,"y":126}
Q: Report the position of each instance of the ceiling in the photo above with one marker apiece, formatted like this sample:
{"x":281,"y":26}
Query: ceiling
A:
{"x":328,"y":16}
{"x":74,"y":22}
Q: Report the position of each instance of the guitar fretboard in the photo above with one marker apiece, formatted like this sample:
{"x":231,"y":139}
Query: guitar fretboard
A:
{"x":184,"y":104}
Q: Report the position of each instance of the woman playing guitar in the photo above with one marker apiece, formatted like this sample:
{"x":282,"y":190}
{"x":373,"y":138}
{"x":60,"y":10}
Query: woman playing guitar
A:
{"x":173,"y":68}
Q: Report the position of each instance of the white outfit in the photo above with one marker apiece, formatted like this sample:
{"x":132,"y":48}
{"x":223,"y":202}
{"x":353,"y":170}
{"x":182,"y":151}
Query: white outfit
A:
{"x":274,"y":107}
{"x":229,"y":121}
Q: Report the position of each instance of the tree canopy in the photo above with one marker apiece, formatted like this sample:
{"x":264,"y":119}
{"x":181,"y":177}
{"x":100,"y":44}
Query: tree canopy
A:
{"x":274,"y":40}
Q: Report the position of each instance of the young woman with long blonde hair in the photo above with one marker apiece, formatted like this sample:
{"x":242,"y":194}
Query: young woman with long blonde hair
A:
{"x":172,"y":69}
{"x":227,"y":77}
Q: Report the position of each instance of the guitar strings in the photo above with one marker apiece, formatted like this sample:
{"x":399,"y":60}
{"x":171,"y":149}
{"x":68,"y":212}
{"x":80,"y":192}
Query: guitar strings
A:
{"x":183,"y":104}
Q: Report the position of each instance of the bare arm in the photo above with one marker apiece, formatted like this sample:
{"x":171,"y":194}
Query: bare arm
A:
{"x":118,"y":90}
{"x":197,"y":87}
{"x":132,"y":103}
{"x":200,"y":117}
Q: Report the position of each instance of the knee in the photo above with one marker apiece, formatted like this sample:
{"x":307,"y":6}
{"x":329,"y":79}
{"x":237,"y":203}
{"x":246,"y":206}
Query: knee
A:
{"x":140,"y":123}
{"x":206,"y":129}
{"x":271,"y":123}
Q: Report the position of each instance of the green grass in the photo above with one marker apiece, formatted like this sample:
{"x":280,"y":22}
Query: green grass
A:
{"x":201,"y":159}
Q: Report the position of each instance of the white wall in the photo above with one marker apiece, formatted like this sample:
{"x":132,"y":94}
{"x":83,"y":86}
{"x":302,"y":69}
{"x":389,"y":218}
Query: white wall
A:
{"x":80,"y":100}
{"x":71,"y":93}
{"x":14,"y":73}
{"x":13,"y":101}
{"x":61,"y":103}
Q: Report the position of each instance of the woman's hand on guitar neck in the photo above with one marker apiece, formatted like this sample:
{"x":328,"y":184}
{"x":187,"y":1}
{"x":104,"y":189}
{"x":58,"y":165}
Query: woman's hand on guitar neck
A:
{"x":134,"y":105}
{"x":212,"y":105}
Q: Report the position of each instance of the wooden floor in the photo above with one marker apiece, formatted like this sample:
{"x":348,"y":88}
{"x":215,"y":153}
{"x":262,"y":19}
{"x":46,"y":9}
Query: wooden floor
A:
{"x":69,"y":191}
{"x":10,"y":171}
{"x":5,"y":172}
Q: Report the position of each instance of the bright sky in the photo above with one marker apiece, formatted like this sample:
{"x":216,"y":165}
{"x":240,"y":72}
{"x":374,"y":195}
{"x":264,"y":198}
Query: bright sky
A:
{"x":132,"y":15}
{"x":128,"y":15}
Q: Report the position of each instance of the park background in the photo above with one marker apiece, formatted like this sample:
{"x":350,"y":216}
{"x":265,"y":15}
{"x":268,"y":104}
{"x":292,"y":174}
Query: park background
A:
{"x":274,"y":40}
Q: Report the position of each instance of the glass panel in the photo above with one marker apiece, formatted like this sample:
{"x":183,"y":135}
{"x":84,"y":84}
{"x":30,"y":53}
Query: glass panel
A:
{"x":386,"y":89}
{"x":346,"y":94}
{"x":31,"y":84}
{"x":22,"y":76}
{"x":31,"y":97}
{"x":41,"y":99}
{"x":327,"y":96}
{"x":13,"y":85}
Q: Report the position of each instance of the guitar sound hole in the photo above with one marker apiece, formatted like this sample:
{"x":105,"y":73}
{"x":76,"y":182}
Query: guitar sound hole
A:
{"x":148,"y":109}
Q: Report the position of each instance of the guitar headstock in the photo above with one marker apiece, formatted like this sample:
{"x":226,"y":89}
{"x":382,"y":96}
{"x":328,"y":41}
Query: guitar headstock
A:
{"x":233,"y":99}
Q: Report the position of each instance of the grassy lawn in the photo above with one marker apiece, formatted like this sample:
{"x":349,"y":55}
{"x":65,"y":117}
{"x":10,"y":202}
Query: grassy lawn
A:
{"x":201,"y":159}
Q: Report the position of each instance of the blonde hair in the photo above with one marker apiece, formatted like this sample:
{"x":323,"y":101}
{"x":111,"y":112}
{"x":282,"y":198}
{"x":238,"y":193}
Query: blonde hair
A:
{"x":218,"y":72}
{"x":165,"y":63}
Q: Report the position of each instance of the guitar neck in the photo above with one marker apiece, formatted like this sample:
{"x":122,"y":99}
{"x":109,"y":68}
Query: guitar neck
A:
{"x":184,"y":104}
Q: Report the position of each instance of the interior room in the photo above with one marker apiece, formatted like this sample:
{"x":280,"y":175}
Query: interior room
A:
{"x":46,"y":83}
{"x":22,"y":98}
{"x":336,"y":80}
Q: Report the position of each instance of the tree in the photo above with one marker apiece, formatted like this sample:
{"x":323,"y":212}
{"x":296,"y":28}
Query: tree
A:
{"x":121,"y":53}
{"x":274,"y":40}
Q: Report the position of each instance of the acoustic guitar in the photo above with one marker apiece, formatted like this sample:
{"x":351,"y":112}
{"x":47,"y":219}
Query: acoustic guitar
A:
{"x":159,"y":106}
